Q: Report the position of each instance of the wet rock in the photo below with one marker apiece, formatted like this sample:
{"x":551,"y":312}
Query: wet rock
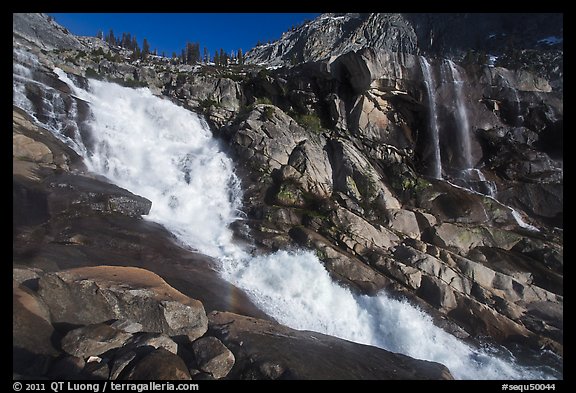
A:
{"x":261,"y":345}
{"x":83,"y":195}
{"x":344,"y":267}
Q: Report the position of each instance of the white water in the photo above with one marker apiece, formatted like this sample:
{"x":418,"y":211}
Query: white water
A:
{"x":518,"y":118}
{"x":463,"y":125}
{"x":432,"y":116}
{"x":476,"y":174}
{"x":165,"y":153}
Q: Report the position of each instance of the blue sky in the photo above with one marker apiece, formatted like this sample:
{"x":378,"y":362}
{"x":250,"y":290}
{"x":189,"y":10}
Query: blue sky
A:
{"x":170,"y":32}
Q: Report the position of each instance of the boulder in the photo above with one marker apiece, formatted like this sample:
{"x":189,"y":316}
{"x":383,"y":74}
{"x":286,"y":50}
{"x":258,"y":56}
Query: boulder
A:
{"x":404,"y":221}
{"x":160,"y":364}
{"x":27,"y":277}
{"x":356,"y":232}
{"x":309,"y":166}
{"x":93,"y":340}
{"x":266,"y":136}
{"x":355,"y":177}
{"x":153,"y":340}
{"x":92,"y":295}
{"x":67,"y":367}
{"x":96,"y":370}
{"x":461,"y":238}
{"x":32,"y":331}
{"x":437,"y":293}
{"x":213,"y":357}
{"x":25,"y":148}
{"x":135,"y":348}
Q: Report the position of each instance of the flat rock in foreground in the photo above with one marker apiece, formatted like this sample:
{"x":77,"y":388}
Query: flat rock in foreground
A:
{"x":267,"y":350}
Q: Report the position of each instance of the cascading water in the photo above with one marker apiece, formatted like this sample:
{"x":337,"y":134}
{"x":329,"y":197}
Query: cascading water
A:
{"x":432,"y":116}
{"x":463,"y":126}
{"x":166,"y":153}
{"x":518,"y":119}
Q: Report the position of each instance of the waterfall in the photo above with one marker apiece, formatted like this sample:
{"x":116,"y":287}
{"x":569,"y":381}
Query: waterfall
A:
{"x":166,"y":153}
{"x":432,"y":116}
{"x":518,"y":118}
{"x":463,"y":127}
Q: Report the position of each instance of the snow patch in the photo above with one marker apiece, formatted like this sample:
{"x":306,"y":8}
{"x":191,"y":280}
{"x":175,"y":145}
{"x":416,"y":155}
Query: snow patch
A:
{"x":551,"y":40}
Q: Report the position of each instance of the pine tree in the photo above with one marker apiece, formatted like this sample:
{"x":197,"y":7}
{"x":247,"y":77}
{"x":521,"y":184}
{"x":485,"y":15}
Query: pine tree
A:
{"x":189,"y":53}
{"x":134,"y":43}
{"x":240,"y":56}
{"x":145,"y":49}
{"x":206,"y":56}
{"x":197,"y":56}
{"x":216,"y":58}
{"x":136,"y":54}
{"x":100,"y":35}
{"x":111,"y":39}
{"x":223,"y":57}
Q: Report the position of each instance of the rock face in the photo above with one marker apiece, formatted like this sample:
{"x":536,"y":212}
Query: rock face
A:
{"x":335,"y":34}
{"x":331,"y":35}
{"x":44,"y":31}
{"x":335,"y":154}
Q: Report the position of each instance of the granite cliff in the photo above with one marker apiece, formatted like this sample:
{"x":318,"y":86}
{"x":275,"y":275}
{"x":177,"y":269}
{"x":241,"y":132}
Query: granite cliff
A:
{"x":330,"y":129}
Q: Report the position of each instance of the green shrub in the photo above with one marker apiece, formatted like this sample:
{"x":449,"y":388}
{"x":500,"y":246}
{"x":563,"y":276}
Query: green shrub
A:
{"x":268,"y":112}
{"x":310,"y":122}
{"x":133,"y":83}
{"x":92,"y":73}
{"x":98,"y":52}
{"x":264,"y":100}
{"x":129,"y":82}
